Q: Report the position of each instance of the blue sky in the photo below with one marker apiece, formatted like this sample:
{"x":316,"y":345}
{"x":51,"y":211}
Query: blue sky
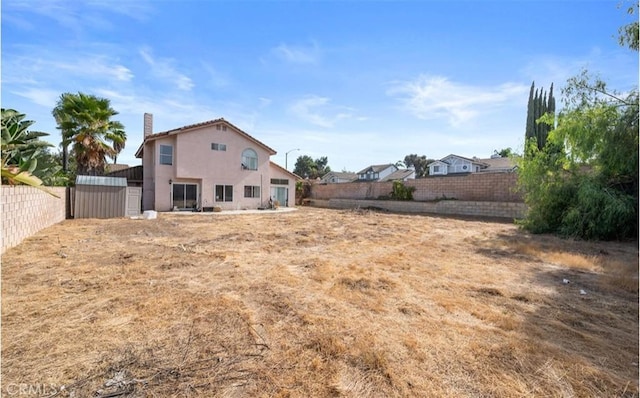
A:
{"x":359,"y":82}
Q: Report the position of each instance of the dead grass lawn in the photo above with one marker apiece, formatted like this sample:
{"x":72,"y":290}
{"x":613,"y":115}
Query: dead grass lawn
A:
{"x":317,"y":303}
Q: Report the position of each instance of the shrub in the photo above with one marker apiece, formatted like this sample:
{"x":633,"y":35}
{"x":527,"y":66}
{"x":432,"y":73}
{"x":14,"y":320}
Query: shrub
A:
{"x":401,"y":192}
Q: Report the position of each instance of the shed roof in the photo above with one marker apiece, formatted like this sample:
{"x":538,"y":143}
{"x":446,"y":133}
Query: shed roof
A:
{"x":101,"y":181}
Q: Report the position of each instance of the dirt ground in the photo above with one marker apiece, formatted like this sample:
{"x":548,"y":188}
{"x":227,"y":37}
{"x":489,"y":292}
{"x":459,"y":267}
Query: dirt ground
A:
{"x":316,"y":303}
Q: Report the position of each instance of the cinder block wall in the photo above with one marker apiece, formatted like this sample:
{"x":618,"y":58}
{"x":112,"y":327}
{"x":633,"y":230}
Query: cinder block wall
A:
{"x":477,"y":187}
{"x":508,"y":210}
{"x":27,"y":210}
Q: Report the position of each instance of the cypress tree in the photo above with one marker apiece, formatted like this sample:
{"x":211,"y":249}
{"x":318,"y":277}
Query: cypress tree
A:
{"x":539,"y":104}
{"x":530,"y":129}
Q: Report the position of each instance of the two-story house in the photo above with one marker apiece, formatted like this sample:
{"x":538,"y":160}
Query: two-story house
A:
{"x":209,"y":164}
{"x":334,"y":177}
{"x":454,"y":164}
{"x":385,"y":172}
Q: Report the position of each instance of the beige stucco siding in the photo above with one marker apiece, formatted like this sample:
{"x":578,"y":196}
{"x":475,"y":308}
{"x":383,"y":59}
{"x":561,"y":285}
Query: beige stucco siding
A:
{"x":278,"y":173}
{"x":164,"y":173}
{"x":148,"y":173}
{"x":195,"y":161}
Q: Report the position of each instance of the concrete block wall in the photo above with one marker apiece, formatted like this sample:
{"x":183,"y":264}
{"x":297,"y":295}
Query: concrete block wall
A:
{"x":479,"y":187}
{"x":507,"y":210}
{"x":27,"y":210}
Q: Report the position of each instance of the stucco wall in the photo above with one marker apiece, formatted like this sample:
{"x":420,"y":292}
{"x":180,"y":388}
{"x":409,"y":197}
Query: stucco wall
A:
{"x":27,"y":210}
{"x":479,"y":187}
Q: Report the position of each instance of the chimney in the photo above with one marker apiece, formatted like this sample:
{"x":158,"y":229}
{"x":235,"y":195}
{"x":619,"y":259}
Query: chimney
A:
{"x":148,"y":124}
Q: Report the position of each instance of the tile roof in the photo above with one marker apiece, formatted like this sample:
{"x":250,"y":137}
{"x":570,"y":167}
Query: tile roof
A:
{"x":277,"y":166}
{"x":497,"y":164}
{"x":194,"y":126}
{"x":341,"y":175}
{"x":398,"y":175}
{"x":376,"y":168}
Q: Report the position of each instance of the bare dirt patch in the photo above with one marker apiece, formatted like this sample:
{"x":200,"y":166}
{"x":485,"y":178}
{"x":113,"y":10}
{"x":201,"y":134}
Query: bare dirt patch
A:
{"x":317,"y":303}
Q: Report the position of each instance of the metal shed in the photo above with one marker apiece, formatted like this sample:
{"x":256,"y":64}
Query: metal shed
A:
{"x":100,"y":197}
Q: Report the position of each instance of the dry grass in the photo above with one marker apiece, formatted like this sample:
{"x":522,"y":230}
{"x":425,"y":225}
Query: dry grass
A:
{"x":318,"y":303}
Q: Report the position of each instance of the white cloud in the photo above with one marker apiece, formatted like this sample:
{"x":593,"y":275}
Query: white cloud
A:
{"x":298,"y":54}
{"x":319,"y":111}
{"x":433,"y":97}
{"x":163,"y":68}
{"x":216,"y":78}
{"x":74,"y":16}
{"x":44,"y":97}
{"x":264,"y":102}
{"x":22,"y":68}
{"x":307,"y":109}
{"x":95,"y":66}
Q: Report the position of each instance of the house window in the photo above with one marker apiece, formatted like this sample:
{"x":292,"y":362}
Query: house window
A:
{"x":166,"y":154}
{"x":436,"y":169}
{"x":224,"y":193}
{"x":218,"y":147}
{"x":249,"y":159}
{"x":279,"y":181}
{"x":251,"y":191}
{"x":221,"y":127}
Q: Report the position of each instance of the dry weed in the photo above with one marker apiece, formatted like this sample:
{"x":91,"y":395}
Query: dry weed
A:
{"x":317,"y":303}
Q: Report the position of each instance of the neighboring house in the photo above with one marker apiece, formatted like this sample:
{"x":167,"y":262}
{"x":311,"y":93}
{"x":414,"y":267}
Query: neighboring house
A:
{"x":134,"y":175}
{"x":111,"y":167}
{"x":385,"y":172}
{"x":454,"y":164}
{"x":401,"y":175}
{"x":333,"y":177}
{"x":209,"y":164}
{"x":376,"y":172}
{"x":498,"y":164}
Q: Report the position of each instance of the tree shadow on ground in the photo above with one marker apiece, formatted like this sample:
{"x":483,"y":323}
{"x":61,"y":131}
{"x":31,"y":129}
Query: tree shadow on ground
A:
{"x":578,"y":311}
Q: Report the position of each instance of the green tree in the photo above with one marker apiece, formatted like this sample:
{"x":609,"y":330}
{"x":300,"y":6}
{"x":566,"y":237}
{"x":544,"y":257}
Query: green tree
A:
{"x":401,"y":192}
{"x":22,"y":151}
{"x":584,"y":182}
{"x":118,"y":138}
{"x":539,"y":104}
{"x":85,"y":124}
{"x":505,"y":152}
{"x":307,"y":167}
{"x":628,"y":34}
{"x":419,"y":163}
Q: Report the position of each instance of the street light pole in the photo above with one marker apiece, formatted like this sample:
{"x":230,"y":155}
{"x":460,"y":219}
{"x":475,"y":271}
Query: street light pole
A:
{"x":286,"y":157}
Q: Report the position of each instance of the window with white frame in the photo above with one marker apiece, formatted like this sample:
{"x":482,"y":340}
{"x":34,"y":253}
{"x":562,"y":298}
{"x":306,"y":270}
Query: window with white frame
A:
{"x":166,"y":154}
{"x":249,"y":159}
{"x":436,"y":169}
{"x":224,"y":193}
{"x":251,"y":191}
{"x":218,"y":147}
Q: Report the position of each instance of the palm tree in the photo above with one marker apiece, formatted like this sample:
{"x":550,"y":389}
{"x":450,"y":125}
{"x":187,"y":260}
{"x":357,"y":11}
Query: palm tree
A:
{"x":85,"y":123}
{"x":118,"y":138}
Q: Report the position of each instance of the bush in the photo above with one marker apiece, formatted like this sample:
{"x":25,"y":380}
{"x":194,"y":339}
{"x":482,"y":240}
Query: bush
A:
{"x":401,"y":192}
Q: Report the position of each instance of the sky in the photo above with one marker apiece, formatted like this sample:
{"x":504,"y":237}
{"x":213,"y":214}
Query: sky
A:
{"x":360,"y":82}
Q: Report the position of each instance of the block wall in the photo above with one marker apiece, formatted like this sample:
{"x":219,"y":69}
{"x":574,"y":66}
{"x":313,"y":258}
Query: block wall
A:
{"x":507,"y":210}
{"x":27,"y":210}
{"x":477,"y":187}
